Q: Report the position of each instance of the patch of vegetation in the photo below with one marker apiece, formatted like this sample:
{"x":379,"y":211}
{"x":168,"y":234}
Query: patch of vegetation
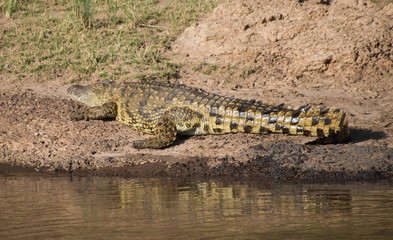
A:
{"x":247,"y":71}
{"x":382,"y":2}
{"x":94,"y":38}
{"x":205,"y":68}
{"x":83,"y":10}
{"x":9,"y":7}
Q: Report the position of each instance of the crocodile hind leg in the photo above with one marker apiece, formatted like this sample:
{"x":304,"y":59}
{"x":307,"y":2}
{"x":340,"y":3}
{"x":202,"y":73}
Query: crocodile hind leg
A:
{"x":105,"y":111}
{"x":165,"y":134}
{"x":175,"y":120}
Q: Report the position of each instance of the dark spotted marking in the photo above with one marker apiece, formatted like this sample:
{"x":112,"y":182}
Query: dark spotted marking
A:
{"x":250,"y":117}
{"x":143,"y":103}
{"x":206,"y":129}
{"x":327,"y":121}
{"x":324,"y":110}
{"x":267,"y":110}
{"x":314,"y":121}
{"x":217,"y":130}
{"x":331,"y":131}
{"x":272,"y":120}
{"x":233,"y":125}
{"x":264,"y":130}
{"x":278,"y":127}
{"x":320,"y":132}
{"x":305,"y":109}
{"x":219,"y":120}
{"x":247,"y":129}
{"x":336,"y":110}
{"x":278,"y":108}
{"x":285,"y":130}
{"x":307,"y":133}
{"x":213,"y":110}
{"x":123,"y":92}
{"x":243,"y":107}
{"x":295,"y":114}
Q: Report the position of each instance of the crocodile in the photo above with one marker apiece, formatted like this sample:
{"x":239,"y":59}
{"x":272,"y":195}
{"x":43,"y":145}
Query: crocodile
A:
{"x":167,"y":109}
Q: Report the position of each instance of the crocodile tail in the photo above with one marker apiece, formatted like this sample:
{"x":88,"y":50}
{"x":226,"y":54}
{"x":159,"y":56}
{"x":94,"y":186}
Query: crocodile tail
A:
{"x":329,"y":125}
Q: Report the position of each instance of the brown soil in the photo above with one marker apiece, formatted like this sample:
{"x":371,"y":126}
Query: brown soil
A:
{"x":338,"y":54}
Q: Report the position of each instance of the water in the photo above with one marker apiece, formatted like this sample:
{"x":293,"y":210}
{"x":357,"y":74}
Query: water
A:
{"x":42,"y":207}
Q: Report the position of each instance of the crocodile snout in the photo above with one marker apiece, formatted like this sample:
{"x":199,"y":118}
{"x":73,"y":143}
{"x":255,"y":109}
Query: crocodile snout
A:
{"x":74,"y":90}
{"x":84,"y":94}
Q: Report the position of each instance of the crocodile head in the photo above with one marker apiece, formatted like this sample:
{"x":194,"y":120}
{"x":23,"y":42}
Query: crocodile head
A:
{"x":94,"y":94}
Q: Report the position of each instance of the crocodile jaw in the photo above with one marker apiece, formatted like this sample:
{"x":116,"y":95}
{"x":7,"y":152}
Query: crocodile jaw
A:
{"x":84,"y":94}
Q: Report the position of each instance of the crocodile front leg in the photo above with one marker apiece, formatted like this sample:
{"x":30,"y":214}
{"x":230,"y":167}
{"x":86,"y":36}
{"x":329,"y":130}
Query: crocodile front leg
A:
{"x":172,"y":122}
{"x":105,"y":111}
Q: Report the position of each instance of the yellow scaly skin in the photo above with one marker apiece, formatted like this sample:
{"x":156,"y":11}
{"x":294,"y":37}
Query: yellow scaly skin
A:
{"x":166,"y":109}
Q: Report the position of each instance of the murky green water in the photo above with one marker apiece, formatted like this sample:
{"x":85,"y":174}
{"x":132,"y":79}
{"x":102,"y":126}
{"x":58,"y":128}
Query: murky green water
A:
{"x":38,"y":207}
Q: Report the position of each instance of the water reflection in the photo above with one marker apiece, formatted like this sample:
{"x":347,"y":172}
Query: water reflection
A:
{"x":201,"y":198}
{"x":47,"y":207}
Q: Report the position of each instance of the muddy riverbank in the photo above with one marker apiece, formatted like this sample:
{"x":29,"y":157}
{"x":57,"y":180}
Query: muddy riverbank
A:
{"x":36,"y":131}
{"x":337,"y":69}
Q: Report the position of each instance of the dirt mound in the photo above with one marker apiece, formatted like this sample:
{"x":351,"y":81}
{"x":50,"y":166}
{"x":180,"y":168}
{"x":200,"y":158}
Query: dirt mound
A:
{"x":298,"y":41}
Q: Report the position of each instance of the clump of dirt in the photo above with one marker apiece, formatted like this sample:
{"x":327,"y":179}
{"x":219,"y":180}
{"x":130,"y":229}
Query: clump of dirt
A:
{"x":289,"y":43}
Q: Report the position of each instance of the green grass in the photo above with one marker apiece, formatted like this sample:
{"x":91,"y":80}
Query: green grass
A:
{"x":9,"y":7}
{"x":88,"y":39}
{"x":83,"y":10}
{"x":205,"y":68}
{"x":382,"y":2}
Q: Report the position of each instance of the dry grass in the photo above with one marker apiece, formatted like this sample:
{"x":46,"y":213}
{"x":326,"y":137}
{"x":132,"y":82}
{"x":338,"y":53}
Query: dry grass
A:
{"x":86,"y":39}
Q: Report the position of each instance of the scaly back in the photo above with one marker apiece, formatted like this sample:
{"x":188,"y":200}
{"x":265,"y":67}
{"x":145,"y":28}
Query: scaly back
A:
{"x":231,"y":115}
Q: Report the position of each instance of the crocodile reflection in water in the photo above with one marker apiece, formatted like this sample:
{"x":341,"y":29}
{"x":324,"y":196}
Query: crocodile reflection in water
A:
{"x":235,"y":199}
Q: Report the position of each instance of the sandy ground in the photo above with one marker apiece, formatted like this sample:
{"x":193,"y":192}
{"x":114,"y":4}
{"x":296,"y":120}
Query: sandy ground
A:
{"x":335,"y":54}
